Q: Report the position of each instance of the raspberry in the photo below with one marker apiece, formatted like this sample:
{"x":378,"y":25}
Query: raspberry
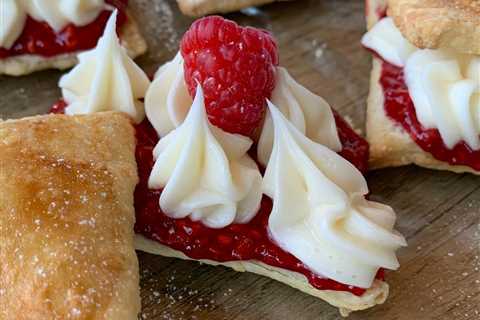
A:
{"x":236,"y":69}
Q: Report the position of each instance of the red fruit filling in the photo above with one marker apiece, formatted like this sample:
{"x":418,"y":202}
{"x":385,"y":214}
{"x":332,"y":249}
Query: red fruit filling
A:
{"x":39,"y":38}
{"x":236,"y":68}
{"x":249,"y":241}
{"x":400,"y":108}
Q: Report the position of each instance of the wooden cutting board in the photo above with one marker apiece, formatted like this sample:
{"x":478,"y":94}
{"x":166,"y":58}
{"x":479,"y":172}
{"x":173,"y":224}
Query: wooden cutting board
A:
{"x":438,"y":212}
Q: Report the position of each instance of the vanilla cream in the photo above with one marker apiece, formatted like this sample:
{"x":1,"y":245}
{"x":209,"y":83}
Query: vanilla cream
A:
{"x":206,"y":173}
{"x":320,"y":214}
{"x":167,"y":102}
{"x":307,"y":111}
{"x":106,"y":78}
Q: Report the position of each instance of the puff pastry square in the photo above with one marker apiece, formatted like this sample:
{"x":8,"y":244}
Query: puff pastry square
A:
{"x":66,"y":218}
{"x":196,"y":8}
{"x":390,"y":145}
{"x":130,"y":37}
{"x":433,"y":24}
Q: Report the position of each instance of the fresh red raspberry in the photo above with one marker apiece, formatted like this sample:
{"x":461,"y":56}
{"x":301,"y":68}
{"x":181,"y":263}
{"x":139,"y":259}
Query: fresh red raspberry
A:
{"x":236,"y":69}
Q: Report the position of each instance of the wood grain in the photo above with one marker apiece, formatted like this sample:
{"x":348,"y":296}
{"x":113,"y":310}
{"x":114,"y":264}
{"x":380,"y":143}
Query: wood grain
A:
{"x":439,"y":212}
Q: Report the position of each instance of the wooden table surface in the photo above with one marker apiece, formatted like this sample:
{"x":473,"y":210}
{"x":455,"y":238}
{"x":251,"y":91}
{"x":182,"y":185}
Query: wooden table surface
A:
{"x":438,"y":212}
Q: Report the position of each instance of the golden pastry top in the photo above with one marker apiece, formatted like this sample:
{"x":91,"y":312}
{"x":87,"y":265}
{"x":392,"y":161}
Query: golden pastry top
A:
{"x":451,"y":24}
{"x":66,"y":218}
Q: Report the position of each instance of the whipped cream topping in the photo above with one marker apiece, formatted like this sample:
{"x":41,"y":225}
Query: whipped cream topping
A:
{"x":12,"y":21}
{"x":106,"y":78}
{"x":320,"y":214}
{"x":386,"y":40}
{"x":58,"y":14}
{"x":309,"y":113}
{"x":444,"y":85}
{"x":167,"y":103}
{"x":206,"y":173}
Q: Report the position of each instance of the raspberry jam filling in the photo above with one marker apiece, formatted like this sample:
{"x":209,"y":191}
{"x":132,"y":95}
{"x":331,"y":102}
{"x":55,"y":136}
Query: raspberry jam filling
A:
{"x":235,"y":242}
{"x":39,"y":38}
{"x":249,"y":241}
{"x":400,"y":108}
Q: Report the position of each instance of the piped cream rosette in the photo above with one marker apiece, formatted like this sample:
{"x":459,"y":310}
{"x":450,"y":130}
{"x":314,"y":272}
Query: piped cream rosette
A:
{"x":206,"y":173}
{"x":320,"y":214}
{"x":168,"y":101}
{"x":105,"y":79}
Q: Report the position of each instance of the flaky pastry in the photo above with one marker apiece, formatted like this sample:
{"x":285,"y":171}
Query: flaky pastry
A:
{"x":345,"y":301}
{"x":66,"y":218}
{"x":453,"y":24}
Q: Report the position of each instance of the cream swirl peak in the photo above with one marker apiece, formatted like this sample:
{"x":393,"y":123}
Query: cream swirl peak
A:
{"x":167,"y":102}
{"x":106,"y":78}
{"x":320,"y":214}
{"x":58,"y":14}
{"x":309,"y":113}
{"x":206,"y":173}
{"x":444,"y":85}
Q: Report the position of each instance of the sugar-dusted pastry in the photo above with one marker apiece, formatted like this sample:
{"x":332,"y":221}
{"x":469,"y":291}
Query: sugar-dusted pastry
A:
{"x":198,"y":8}
{"x":41,"y":34}
{"x":434,"y":24}
{"x":424,"y":103}
{"x":66,"y":218}
{"x":278,"y":192}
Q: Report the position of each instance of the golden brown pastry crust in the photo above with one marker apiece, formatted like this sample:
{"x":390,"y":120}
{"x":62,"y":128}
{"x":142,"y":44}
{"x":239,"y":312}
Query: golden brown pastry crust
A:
{"x":345,"y":301}
{"x":453,"y":24}
{"x":196,"y":8}
{"x":130,"y":36}
{"x":66,"y":218}
{"x":390,"y":145}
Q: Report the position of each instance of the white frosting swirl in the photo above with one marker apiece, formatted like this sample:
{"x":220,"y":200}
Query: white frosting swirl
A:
{"x":206,"y":173}
{"x":319,"y":211}
{"x":444,"y":85}
{"x":385,"y":39}
{"x":58,"y":14}
{"x":167,"y":102}
{"x":443,"y":95}
{"x":106,"y":78}
{"x":12,"y":21}
{"x":308,"y":112}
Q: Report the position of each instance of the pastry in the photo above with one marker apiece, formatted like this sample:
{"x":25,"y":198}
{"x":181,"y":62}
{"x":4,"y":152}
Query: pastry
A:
{"x":198,"y":8}
{"x":207,"y":192}
{"x":434,"y":24}
{"x":423,"y":103}
{"x":29,"y":37}
{"x":66,"y":218}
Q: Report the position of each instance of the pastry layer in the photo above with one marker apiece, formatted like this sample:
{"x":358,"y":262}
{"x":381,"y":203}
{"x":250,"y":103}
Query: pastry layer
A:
{"x":198,"y":8}
{"x":130,"y":36}
{"x":435,"y":24}
{"x":345,"y":301}
{"x":390,"y":145}
{"x":66,"y":218}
